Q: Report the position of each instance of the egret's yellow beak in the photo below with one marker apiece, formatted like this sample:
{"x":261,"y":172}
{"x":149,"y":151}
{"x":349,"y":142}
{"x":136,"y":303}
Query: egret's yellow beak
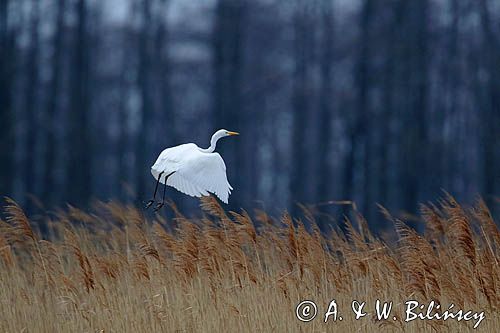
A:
{"x":232,"y":133}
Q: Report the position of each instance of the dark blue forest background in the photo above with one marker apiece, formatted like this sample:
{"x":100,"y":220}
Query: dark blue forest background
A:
{"x":374,"y":101}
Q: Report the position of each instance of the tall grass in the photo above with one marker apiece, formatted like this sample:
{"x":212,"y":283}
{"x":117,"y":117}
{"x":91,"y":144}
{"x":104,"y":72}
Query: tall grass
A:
{"x":113,"y":270}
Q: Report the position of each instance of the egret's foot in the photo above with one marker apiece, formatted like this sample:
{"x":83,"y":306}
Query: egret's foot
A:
{"x":148,"y":204}
{"x":159,"y":206}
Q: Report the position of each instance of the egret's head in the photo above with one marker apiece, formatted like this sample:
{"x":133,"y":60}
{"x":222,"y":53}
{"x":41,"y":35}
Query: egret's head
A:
{"x":223,"y":132}
{"x":217,"y":135}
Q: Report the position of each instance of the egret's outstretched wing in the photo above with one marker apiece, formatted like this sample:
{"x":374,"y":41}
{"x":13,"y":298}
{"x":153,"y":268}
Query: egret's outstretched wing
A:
{"x":184,"y":185}
{"x":203,"y":172}
{"x":193,"y":172}
{"x":171,"y":159}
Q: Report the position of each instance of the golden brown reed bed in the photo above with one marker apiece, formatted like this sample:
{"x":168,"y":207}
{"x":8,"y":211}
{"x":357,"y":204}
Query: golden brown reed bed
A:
{"x":113,"y":270}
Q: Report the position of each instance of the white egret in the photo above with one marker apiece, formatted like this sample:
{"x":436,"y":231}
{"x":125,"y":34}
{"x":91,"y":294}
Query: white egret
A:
{"x":192,"y":170}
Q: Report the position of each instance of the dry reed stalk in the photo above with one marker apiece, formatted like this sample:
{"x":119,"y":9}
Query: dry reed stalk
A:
{"x":491,"y":231}
{"x":108,"y":267}
{"x":210,"y":205}
{"x":434,"y":222}
{"x":23,"y":231}
{"x":6,"y":252}
{"x":422,"y":271}
{"x":19,"y":221}
{"x":460,"y":232}
{"x":86,"y":271}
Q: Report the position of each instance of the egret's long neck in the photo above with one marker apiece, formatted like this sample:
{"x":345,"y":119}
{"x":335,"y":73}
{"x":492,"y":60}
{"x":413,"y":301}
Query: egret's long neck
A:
{"x":213,"y":144}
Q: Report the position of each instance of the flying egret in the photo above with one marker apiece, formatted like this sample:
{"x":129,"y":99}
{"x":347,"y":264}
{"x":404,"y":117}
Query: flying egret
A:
{"x":192,"y":170}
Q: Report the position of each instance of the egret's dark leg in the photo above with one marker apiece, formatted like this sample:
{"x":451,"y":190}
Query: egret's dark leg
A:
{"x":150,"y":202}
{"x":162,"y":203}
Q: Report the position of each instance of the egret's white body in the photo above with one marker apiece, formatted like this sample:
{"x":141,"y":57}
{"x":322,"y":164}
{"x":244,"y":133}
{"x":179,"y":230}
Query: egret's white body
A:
{"x":193,"y":170}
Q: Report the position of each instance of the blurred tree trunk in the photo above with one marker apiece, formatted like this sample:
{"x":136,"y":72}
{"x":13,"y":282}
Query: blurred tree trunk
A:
{"x":490,"y":115}
{"x":31,"y":108}
{"x":227,"y":48}
{"x":7,"y":67}
{"x":123,"y":141}
{"x":452,"y":150}
{"x":358,"y":128}
{"x":166,"y":131}
{"x":50,"y":130}
{"x":143,"y":148}
{"x":365,"y":126}
{"x":414,"y":99}
{"x":386,"y":140}
{"x":418,"y":166}
{"x":326,"y":104}
{"x":300,"y":94}
{"x":78,"y":182}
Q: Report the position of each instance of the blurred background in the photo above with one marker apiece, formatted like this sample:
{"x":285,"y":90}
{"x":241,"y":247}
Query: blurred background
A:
{"x":375,"y":101}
